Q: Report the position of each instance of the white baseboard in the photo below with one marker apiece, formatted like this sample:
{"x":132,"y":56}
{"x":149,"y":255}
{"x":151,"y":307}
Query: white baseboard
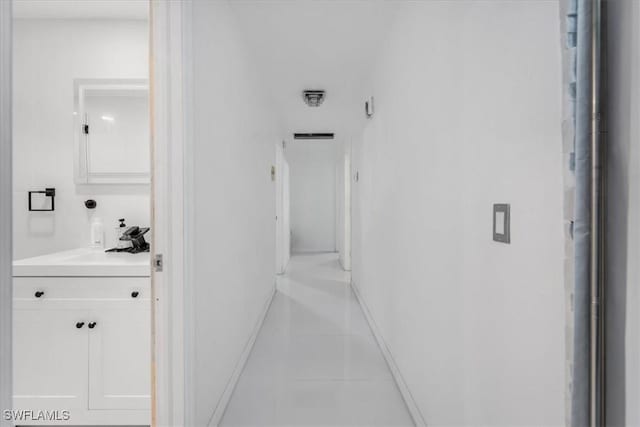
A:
{"x":418,"y":419}
{"x":233,"y":381}
{"x":342,"y":264}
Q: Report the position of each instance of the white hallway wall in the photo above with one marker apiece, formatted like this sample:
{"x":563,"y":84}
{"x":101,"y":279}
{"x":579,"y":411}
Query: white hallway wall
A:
{"x":234,"y":200}
{"x":312,"y":167}
{"x":468,"y":113}
{"x":48,"y":56}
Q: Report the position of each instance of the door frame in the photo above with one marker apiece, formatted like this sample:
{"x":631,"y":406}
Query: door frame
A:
{"x":170,"y":100}
{"x":282,"y":196}
{"x":171,"y":188}
{"x":6,"y":196}
{"x":346,"y":164}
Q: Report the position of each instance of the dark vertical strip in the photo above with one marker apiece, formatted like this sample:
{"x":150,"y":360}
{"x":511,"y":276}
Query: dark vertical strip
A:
{"x":580,"y":396}
{"x":621,"y":22}
{"x":589,"y":373}
{"x":597,"y":362}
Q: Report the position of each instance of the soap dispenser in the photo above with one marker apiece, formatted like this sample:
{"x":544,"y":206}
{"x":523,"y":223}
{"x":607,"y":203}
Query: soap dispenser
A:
{"x":120,"y":229}
{"x":97,"y":233}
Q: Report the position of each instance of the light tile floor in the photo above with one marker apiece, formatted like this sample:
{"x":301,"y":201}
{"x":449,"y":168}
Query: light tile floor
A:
{"x":315,"y":361}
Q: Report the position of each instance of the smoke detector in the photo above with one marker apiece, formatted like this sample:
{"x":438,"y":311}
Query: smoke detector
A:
{"x":313,"y":98}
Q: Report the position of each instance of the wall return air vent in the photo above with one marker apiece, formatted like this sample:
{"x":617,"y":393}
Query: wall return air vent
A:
{"x":310,"y":135}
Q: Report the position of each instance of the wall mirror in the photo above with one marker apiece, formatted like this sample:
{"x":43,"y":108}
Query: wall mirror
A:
{"x":112,"y":131}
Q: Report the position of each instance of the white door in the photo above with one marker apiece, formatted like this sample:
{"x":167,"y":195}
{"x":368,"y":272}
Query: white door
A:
{"x":50,"y":359}
{"x":286,"y":222}
{"x":278,"y":188}
{"x":120,"y":358}
{"x":346,"y":264}
{"x":282,"y":210}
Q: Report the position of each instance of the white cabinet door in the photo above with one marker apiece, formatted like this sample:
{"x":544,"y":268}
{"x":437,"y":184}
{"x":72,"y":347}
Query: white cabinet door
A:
{"x":120,"y":358}
{"x":50,"y":359}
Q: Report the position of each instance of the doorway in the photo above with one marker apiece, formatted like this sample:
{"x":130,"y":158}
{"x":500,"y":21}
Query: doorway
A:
{"x":314,"y":198}
{"x":81,"y":212}
{"x":283,"y":210}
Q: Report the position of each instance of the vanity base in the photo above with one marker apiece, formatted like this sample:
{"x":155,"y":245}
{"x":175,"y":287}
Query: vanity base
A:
{"x":82,"y":345}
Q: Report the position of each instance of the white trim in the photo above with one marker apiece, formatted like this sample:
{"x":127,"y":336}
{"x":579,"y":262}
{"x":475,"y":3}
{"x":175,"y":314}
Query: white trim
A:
{"x":189,"y":211}
{"x":171,"y":302}
{"x":283,"y":229}
{"x":6,"y":203}
{"x":344,"y":162}
{"x":216,"y":418}
{"x":418,"y":419}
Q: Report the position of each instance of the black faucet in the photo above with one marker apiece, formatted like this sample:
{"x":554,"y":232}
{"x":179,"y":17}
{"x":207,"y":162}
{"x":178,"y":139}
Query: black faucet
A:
{"x":135,"y":235}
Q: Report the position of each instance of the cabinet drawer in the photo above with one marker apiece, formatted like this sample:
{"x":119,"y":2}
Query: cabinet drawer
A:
{"x":81,"y":288}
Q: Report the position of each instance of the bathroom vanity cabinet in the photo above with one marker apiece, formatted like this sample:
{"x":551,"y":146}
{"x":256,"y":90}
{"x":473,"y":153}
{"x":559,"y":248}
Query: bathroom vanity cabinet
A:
{"x":83,"y":344}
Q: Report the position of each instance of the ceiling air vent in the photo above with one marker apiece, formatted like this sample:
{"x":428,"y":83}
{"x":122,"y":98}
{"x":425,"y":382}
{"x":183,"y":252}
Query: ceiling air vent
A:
{"x":325,"y":135}
{"x":313,"y":98}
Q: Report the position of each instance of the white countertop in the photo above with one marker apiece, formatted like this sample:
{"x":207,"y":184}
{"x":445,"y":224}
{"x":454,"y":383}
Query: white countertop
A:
{"x":84,"y":262}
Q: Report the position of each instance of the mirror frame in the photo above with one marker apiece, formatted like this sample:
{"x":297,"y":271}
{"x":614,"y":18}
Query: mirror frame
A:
{"x":82,"y":175}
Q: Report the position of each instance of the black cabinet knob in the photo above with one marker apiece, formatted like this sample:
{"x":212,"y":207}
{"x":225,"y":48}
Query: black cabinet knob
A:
{"x":91,"y":325}
{"x":79,"y":325}
{"x":38,"y":294}
{"x":135,"y":294}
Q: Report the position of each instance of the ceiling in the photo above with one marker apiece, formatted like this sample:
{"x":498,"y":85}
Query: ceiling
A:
{"x":81,"y":9}
{"x":297,"y":45}
{"x":315,"y":44}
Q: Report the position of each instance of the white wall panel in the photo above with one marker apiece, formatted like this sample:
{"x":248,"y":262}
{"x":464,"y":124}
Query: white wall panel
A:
{"x":468,"y":114}
{"x":48,"y":55}
{"x":234,"y":204}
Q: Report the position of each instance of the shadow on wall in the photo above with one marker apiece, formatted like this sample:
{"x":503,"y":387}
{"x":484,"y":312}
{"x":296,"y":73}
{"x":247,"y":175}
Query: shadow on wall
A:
{"x":620,"y":165}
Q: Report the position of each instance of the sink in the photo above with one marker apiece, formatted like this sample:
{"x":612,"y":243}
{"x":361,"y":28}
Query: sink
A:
{"x":84,"y":262}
